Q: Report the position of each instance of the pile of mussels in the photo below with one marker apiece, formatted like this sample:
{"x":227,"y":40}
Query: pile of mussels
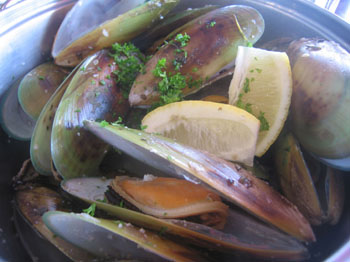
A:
{"x":112,"y":192}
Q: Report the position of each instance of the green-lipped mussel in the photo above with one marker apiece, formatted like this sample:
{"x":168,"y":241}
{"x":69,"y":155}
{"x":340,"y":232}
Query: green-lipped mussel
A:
{"x":116,"y":21}
{"x":93,"y":93}
{"x":14,"y":121}
{"x":320,"y":112}
{"x":198,"y":50}
{"x":38,"y":85}
{"x":317,"y":190}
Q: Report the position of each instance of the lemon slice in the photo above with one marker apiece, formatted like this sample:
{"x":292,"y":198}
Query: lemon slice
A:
{"x":262,"y":85}
{"x":221,"y":129}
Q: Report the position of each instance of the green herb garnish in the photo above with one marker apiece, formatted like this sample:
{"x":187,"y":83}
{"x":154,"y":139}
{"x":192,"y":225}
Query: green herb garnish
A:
{"x":211,"y":24}
{"x":90,"y":210}
{"x":143,"y":127}
{"x":104,"y":123}
{"x":77,"y":110}
{"x":264,"y":125}
{"x":102,"y":82}
{"x":246,"y":87}
{"x":182,"y":39}
{"x":130,"y":61}
{"x":41,"y":77}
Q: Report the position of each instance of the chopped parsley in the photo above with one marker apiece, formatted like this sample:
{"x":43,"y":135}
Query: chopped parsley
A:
{"x":143,"y":127}
{"x":170,"y":85}
{"x":119,"y":122}
{"x":130,"y":61}
{"x":99,"y":68}
{"x":77,"y":110}
{"x":102,"y":82}
{"x":264,"y":125}
{"x":246,"y":87}
{"x":195,"y":69}
{"x":104,"y":123}
{"x":258,"y":70}
{"x":41,"y":77}
{"x":93,"y":82}
{"x":90,"y":210}
{"x":182,"y":39}
{"x":211,"y":24}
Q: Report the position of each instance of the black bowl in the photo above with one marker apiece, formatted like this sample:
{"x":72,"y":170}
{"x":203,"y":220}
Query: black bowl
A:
{"x":27,"y":31}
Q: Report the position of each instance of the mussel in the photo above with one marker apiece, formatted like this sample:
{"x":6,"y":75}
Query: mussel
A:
{"x":159,"y":196}
{"x":317,"y":190}
{"x":197,"y":51}
{"x":242,"y":234}
{"x":38,"y":85}
{"x":229,"y":180}
{"x":93,"y":93}
{"x":320,"y":112}
{"x":14,"y":121}
{"x":81,"y":35}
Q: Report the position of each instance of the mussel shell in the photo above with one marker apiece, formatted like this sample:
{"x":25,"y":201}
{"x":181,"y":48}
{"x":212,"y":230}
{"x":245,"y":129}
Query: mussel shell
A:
{"x":92,"y":94}
{"x":227,"y":179}
{"x":242,"y":233}
{"x":169,"y":24}
{"x":40,"y":144}
{"x":210,"y":50}
{"x":118,"y":239}
{"x":37,"y":87}
{"x":317,"y":190}
{"x":30,"y":205}
{"x":320,"y":111}
{"x":14,"y":121}
{"x":295,"y":178}
{"x":129,"y":20}
{"x":159,"y":197}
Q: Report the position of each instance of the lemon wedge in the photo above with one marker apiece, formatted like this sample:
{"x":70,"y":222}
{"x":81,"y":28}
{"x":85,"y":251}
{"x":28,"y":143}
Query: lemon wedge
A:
{"x":221,"y":129}
{"x":262,"y":85}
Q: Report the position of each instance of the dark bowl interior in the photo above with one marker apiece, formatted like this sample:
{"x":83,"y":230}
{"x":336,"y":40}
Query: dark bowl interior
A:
{"x":27,"y":31}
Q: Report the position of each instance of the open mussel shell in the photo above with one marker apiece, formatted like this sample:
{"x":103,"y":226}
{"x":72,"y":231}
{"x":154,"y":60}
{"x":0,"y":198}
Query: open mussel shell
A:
{"x":117,"y":239}
{"x":116,"y":21}
{"x":320,"y":112}
{"x":14,"y":121}
{"x":40,"y":144}
{"x":30,"y":205}
{"x":213,"y":43}
{"x":38,"y":85}
{"x":242,"y":233}
{"x":92,"y":94}
{"x":229,"y":180}
{"x":316,"y":190}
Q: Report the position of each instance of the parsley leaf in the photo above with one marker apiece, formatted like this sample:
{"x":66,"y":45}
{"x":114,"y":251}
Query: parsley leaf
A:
{"x":90,"y":210}
{"x":104,"y":123}
{"x":264,"y":125}
{"x":130,"y":61}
